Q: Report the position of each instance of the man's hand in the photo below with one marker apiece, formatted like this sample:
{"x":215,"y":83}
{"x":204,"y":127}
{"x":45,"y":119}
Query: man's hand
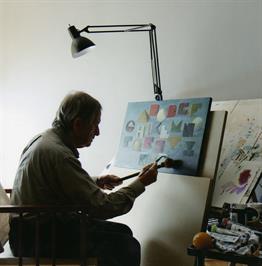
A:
{"x":149,"y":174}
{"x":108,"y":181}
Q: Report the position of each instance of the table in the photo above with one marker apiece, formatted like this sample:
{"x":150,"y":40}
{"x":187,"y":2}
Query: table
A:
{"x":215,"y":254}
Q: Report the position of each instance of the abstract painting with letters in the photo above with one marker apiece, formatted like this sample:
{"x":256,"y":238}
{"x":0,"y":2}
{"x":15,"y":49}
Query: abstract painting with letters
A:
{"x":173,"y":127}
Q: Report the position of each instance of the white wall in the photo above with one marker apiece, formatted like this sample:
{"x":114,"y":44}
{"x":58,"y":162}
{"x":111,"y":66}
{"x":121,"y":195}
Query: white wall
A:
{"x":1,"y":98}
{"x":206,"y":48}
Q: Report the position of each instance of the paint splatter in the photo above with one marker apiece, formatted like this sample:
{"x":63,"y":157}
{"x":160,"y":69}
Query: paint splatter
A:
{"x":244,"y":176}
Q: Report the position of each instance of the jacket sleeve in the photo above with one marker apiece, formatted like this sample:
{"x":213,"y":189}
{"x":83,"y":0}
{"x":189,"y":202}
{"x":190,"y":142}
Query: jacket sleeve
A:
{"x":79,"y":188}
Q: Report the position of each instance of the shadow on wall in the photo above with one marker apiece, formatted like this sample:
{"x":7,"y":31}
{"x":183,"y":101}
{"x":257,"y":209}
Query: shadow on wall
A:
{"x":156,"y":252}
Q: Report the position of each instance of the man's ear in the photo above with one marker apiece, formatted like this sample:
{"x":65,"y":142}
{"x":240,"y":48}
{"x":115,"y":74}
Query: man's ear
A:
{"x":77,"y":125}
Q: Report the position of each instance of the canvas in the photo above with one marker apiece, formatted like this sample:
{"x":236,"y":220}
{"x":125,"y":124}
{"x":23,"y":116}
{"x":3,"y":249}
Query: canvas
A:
{"x":237,"y":181}
{"x":241,"y":151}
{"x":165,"y":218}
{"x":174,"y":128}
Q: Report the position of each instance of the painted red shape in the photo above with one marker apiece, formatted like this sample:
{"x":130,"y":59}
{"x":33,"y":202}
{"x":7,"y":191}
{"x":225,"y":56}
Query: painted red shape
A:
{"x":171,"y":112}
{"x":154,"y":109}
{"x":244,"y":176}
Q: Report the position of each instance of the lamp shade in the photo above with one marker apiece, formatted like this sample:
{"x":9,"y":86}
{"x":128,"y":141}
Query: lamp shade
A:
{"x":80,"y":46}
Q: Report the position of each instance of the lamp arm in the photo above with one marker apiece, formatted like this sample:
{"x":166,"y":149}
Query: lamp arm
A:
{"x":117,"y":28}
{"x":151,"y":28}
{"x":155,"y":65}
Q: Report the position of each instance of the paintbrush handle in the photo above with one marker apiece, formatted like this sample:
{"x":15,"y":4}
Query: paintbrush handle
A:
{"x":137,"y":173}
{"x":129,"y":176}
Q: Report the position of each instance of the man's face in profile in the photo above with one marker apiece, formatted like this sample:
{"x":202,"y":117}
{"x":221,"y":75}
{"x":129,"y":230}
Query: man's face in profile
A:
{"x":86,"y":130}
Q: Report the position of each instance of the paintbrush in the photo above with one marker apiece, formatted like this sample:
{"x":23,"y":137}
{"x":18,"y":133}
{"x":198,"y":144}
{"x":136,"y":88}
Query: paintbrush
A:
{"x":167,"y":163}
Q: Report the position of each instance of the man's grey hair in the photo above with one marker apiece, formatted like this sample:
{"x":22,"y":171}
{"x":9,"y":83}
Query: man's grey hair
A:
{"x":76,"y":105}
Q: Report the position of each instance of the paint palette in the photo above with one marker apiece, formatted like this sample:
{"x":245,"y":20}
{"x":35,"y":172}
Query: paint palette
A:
{"x":173,"y":127}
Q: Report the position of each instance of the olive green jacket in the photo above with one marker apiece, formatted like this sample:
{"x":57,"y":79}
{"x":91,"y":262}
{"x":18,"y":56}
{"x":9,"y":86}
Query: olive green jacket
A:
{"x":50,"y":173}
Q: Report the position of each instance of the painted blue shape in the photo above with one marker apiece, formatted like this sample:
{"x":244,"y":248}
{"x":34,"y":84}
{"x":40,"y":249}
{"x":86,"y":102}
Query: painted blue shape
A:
{"x":188,"y":130}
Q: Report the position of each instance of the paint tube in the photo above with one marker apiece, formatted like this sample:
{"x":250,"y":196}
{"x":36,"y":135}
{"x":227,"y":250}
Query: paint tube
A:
{"x":237,"y":248}
{"x":240,"y":228}
{"x":253,"y":239}
{"x":227,"y":247}
{"x":242,"y":236}
{"x":223,"y":237}
{"x":245,"y":250}
{"x":224,"y":231}
{"x":237,"y":227}
{"x":248,"y":235}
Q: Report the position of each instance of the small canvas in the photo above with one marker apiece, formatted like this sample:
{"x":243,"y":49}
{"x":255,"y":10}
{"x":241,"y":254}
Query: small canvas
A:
{"x":174,"y":128}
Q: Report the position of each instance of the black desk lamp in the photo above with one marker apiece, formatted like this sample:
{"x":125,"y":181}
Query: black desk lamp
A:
{"x":81,"y":44}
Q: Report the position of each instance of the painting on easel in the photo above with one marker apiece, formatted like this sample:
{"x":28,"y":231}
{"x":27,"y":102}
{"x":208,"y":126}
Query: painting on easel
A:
{"x":174,"y":128}
{"x":241,"y":157}
{"x":236,"y":183}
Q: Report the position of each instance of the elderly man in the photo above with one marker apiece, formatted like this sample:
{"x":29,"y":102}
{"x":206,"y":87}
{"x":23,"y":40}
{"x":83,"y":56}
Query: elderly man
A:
{"x":50,"y":173}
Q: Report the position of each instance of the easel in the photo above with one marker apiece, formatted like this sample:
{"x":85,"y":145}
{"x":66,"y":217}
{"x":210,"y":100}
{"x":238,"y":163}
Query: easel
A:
{"x":241,"y":113}
{"x":165,"y":217}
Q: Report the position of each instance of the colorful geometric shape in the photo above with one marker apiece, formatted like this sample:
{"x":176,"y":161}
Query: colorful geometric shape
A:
{"x":198,"y":121}
{"x":164,"y":134}
{"x":188,"y":130}
{"x":161,"y":116}
{"x":195,"y":107}
{"x":173,"y":141}
{"x":137,"y":145}
{"x":144,"y":159}
{"x":154,"y":108}
{"x":148,"y":143}
{"x":143,"y":117}
{"x":171,"y":112}
{"x":189,"y":148}
{"x":127,"y":141}
{"x":183,"y":108}
{"x":140,"y":131}
{"x":159,"y":146}
{"x":130,"y":126}
{"x":176,"y":126}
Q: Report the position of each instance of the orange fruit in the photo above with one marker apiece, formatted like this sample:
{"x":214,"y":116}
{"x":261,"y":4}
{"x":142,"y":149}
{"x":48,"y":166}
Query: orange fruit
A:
{"x":202,"y":240}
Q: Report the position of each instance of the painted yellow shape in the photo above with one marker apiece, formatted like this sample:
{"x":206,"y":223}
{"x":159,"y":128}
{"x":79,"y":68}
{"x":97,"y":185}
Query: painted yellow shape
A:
{"x":137,"y":145}
{"x":173,"y":141}
{"x":195,"y":107}
{"x":143,"y":117}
